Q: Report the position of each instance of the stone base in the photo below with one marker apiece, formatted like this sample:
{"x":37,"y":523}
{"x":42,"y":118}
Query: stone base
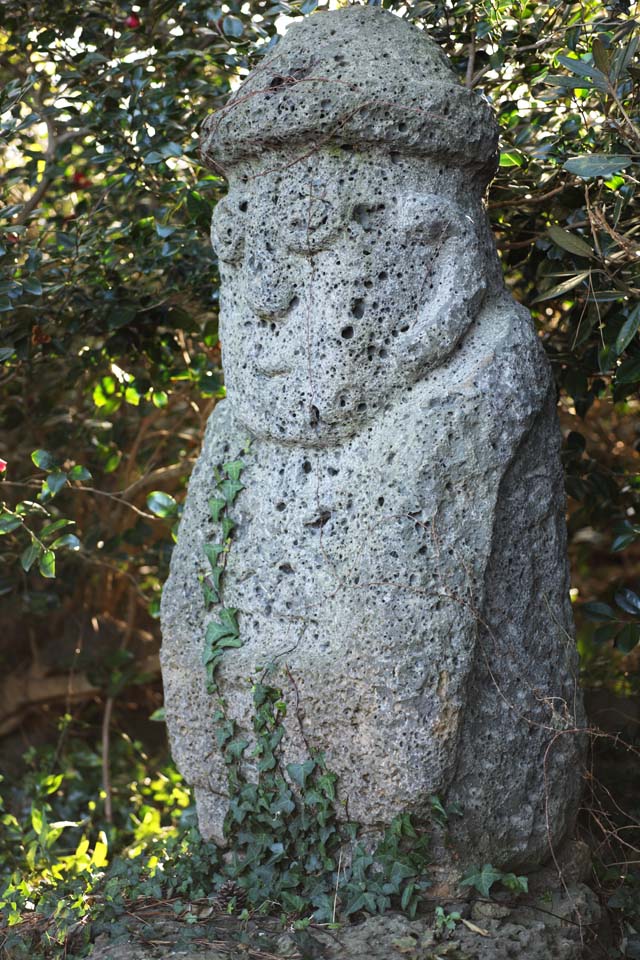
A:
{"x":557,"y":926}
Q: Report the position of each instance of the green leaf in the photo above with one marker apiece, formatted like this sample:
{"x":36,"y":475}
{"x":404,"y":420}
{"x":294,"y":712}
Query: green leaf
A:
{"x":30,"y":555}
{"x":232,"y":26}
{"x":605,"y":633}
{"x":37,"y":820}
{"x":50,"y":528}
{"x":597,"y":165}
{"x":213,"y":551}
{"x":50,"y":784}
{"x":483,"y":879}
{"x":216,"y":576}
{"x":569,"y":241}
{"x":233,"y":469}
{"x":229,"y":618}
{"x":600,"y":55}
{"x":229,"y":641}
{"x":407,"y":893}
{"x":629,"y":371}
{"x":235,"y":748}
{"x":584,"y":69}
{"x":55,"y":482}
{"x":171,"y":149}
{"x":628,"y":601}
{"x":79,"y":473}
{"x":230,"y":490}
{"x":216,"y":632}
{"x":514,"y":883}
{"x":68,"y":540}
{"x":153,"y":157}
{"x":227,"y":526}
{"x":32,"y":286}
{"x":9,"y":522}
{"x":628,"y":330}
{"x":216,"y":506}
{"x":598,"y":612}
{"x":562,"y":288}
{"x":300,"y":771}
{"x":44,"y":460}
{"x":511,"y":158}
{"x":628,"y":638}
{"x":626,"y":534}
{"x":47,"y":564}
{"x":162,"y":504}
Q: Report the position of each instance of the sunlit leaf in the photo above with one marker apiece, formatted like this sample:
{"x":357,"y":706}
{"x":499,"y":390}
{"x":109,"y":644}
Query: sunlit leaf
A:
{"x":47,"y":564}
{"x":162,"y":504}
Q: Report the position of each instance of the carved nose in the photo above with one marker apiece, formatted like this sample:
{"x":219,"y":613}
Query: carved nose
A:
{"x":269,"y":293}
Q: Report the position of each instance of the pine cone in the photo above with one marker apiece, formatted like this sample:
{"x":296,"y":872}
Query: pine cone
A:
{"x":229,"y":891}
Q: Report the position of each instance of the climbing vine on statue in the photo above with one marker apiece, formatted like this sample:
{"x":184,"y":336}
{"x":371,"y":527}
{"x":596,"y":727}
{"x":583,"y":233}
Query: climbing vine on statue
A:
{"x":286,"y":838}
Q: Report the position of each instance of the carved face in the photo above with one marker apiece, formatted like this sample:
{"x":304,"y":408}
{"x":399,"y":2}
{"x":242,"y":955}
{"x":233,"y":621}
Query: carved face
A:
{"x":338,"y":292}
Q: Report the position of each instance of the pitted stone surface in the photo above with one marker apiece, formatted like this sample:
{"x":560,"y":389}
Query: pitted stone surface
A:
{"x":399,"y":560}
{"x":562,"y":929}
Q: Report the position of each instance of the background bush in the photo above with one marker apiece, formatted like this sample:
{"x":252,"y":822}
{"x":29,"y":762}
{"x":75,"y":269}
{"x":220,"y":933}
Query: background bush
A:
{"x":110,"y":364}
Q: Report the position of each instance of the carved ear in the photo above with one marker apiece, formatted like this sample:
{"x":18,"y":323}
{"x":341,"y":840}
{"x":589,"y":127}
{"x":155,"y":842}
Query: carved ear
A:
{"x":452,"y":294}
{"x":227,"y":230}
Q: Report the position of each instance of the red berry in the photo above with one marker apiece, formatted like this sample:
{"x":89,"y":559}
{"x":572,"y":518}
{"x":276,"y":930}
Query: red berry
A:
{"x":132,"y":21}
{"x":81,"y":179}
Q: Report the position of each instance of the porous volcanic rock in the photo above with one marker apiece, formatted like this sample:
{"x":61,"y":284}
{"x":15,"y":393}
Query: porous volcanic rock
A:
{"x":399,"y":558}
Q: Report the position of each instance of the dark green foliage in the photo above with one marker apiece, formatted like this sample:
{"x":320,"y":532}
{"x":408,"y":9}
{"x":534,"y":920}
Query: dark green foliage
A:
{"x":110,"y":364}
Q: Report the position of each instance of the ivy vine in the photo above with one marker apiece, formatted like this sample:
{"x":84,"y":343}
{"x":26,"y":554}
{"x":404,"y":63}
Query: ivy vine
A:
{"x":286,"y":837}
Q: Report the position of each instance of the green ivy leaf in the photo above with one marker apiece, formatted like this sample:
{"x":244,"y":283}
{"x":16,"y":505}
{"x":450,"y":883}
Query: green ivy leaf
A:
{"x":216,"y":506}
{"x":230,"y":490}
{"x":233,"y":469}
{"x":213,"y":551}
{"x":483,"y":879}
{"x":227,"y":526}
{"x":299,"y":772}
{"x":514,"y":883}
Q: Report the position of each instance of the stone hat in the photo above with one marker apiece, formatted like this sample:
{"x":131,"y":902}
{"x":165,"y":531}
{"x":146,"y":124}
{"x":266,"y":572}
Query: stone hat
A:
{"x":354,"y":77}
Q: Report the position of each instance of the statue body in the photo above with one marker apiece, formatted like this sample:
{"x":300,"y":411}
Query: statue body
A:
{"x":400,"y":550}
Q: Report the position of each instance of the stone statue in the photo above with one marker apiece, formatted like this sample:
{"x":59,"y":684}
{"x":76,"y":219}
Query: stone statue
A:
{"x":400,"y":544}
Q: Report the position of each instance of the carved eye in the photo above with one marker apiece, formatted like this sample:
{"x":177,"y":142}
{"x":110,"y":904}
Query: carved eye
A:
{"x":227,"y":230}
{"x":428,"y":218}
{"x":313,"y":225}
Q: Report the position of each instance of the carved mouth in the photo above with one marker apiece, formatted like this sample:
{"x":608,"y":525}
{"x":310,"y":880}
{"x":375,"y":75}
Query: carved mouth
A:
{"x":270,"y":372}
